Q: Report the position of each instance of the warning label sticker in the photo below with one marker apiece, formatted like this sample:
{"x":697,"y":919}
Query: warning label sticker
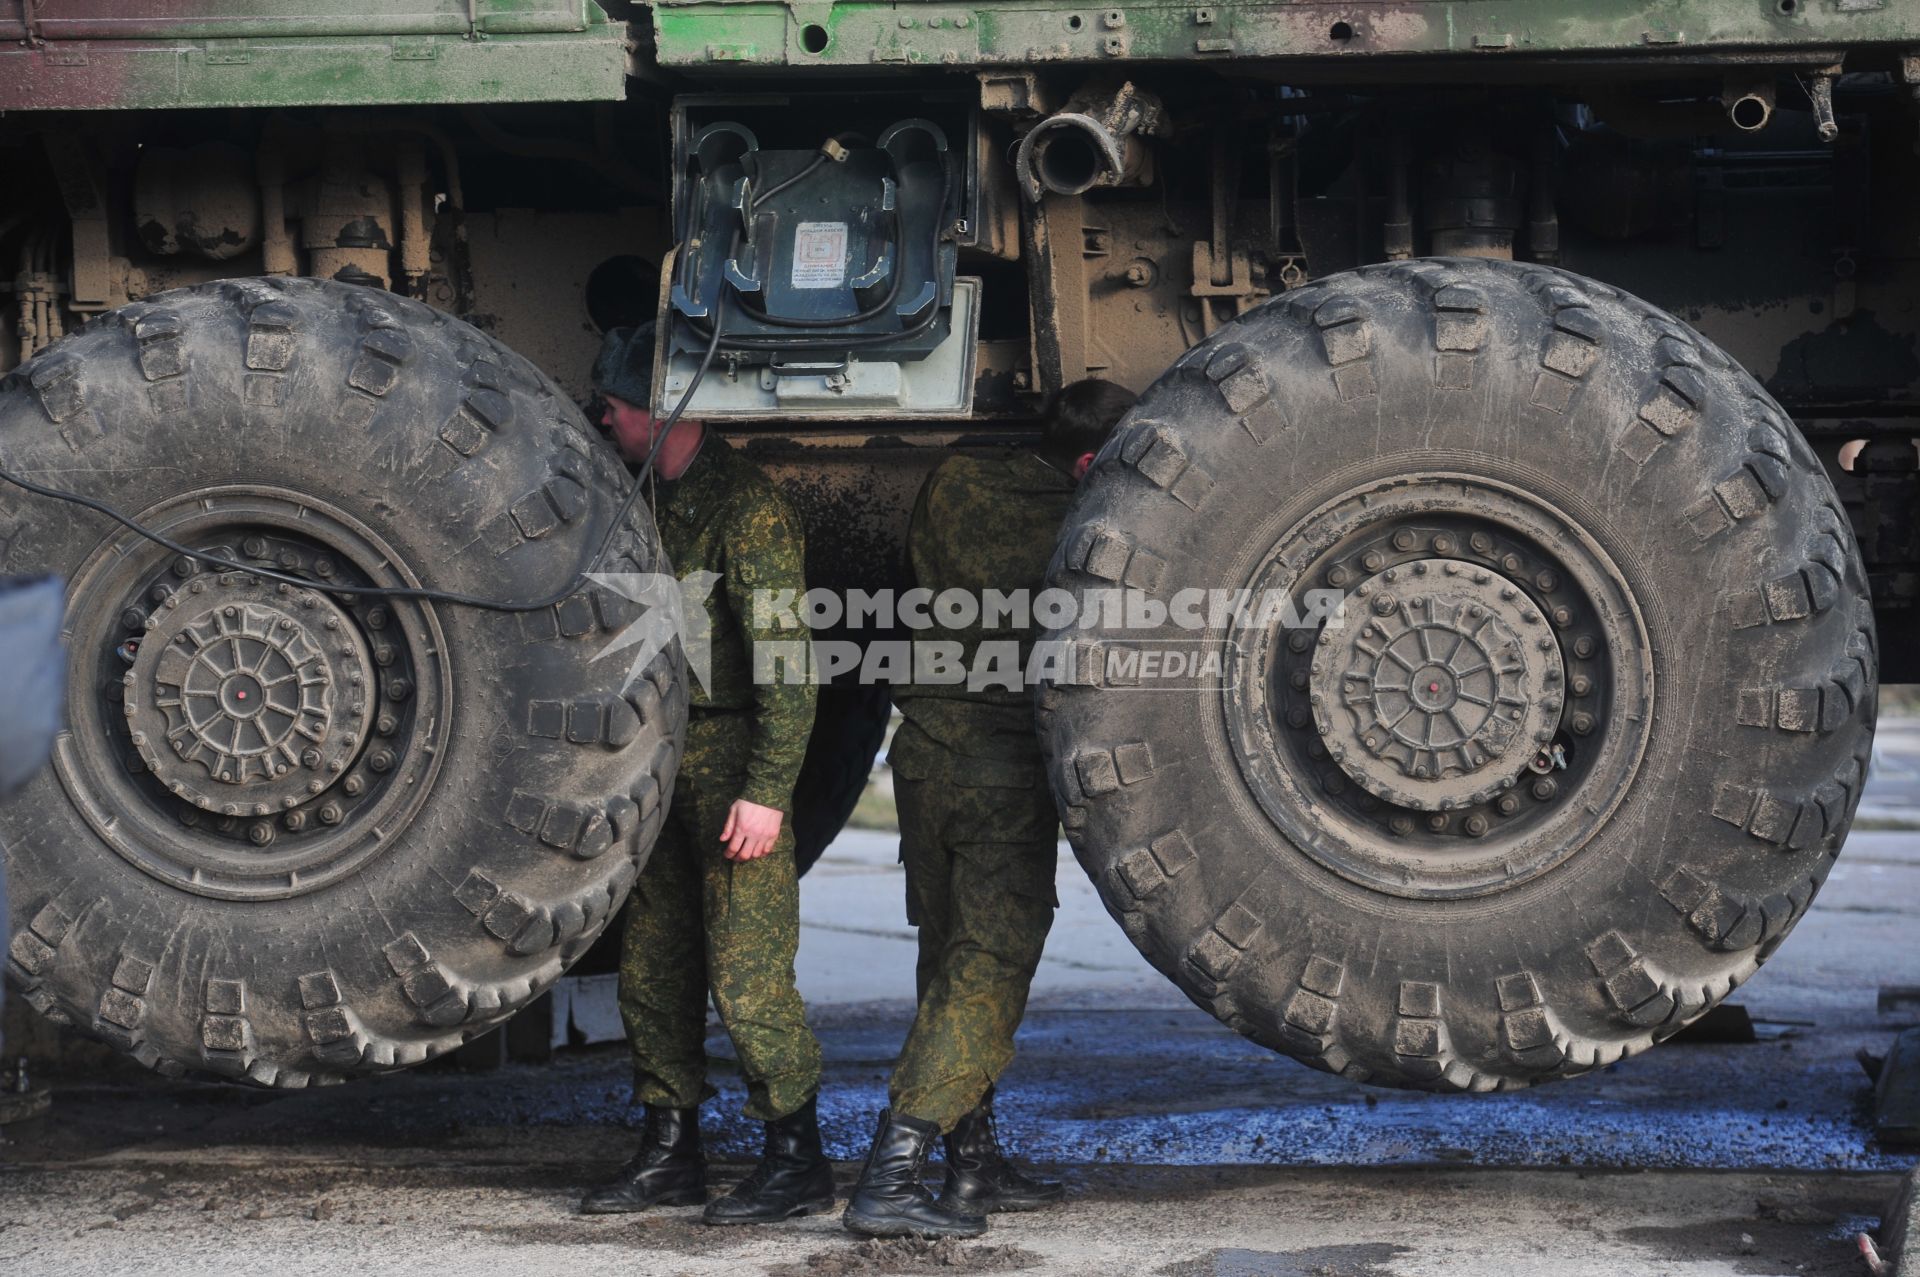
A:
{"x":820,"y":255}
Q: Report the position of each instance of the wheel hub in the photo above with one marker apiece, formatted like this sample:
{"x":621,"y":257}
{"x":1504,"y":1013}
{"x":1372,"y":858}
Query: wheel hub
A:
{"x":1441,"y":686}
{"x":247,"y":698}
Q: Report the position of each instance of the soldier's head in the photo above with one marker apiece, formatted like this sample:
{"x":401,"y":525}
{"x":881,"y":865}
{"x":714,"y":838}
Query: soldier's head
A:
{"x":1084,"y":414}
{"x":623,"y":382}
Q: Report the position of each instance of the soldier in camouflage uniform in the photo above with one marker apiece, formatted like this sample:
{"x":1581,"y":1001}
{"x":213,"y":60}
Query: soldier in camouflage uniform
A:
{"x":977,"y":835}
{"x":717,"y":909}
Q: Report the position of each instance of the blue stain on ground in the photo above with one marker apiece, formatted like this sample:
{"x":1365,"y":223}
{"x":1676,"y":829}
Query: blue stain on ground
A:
{"x":1174,"y":1088}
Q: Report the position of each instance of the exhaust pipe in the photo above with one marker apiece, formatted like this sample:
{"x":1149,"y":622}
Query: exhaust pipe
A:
{"x":1099,"y":139}
{"x":1749,"y":104}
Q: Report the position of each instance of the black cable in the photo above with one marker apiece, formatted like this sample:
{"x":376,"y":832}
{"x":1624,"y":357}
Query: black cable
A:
{"x":591,"y":566}
{"x":777,"y":187}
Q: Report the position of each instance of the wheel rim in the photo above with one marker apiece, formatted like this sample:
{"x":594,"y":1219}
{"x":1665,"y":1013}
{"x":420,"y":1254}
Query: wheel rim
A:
{"x":241,"y":738}
{"x":1473,"y":711}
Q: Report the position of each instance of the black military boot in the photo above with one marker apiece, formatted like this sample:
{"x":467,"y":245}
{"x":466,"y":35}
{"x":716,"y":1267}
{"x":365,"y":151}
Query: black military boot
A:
{"x":794,"y":1176}
{"x":980,"y":1180}
{"x":890,"y":1200}
{"x":667,"y":1171}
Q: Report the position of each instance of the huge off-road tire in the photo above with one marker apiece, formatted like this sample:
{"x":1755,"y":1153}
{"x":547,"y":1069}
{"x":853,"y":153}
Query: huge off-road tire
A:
{"x":290,"y":835}
{"x":1589,"y":728}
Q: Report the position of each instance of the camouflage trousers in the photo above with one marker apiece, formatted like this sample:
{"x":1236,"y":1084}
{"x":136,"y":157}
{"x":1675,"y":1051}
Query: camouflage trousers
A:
{"x":980,"y":865}
{"x":699,"y":924}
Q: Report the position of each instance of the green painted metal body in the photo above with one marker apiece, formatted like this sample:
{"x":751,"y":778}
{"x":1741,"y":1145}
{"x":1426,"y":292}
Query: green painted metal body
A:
{"x":139,"y":54}
{"x":1022,"y":33}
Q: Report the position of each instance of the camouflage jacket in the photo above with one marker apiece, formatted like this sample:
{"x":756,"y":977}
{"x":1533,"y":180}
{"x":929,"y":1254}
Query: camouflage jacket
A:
{"x":724,"y":516}
{"x":979,"y":524}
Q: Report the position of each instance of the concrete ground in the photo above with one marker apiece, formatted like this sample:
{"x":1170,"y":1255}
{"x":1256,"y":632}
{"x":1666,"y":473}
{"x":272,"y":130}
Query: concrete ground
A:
{"x":1187,"y":1150}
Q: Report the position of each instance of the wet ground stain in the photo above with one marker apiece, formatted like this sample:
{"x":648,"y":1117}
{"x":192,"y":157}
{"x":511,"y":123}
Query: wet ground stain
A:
{"x":1363,"y":1259}
{"x":908,"y":1256}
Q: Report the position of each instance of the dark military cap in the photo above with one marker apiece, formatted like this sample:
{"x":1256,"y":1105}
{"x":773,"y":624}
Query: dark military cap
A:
{"x":624,"y":368}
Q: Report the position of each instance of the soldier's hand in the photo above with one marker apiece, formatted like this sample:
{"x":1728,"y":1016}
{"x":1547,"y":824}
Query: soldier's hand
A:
{"x":751,"y":830}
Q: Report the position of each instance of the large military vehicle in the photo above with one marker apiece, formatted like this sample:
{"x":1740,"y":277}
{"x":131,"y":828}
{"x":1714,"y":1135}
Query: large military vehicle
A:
{"x":1572,"y":345}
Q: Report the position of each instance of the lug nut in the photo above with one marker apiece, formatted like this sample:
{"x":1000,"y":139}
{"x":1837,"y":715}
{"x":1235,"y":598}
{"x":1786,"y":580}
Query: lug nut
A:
{"x":377,"y":618}
{"x":353,"y":785}
{"x":330,"y":814}
{"x":260,"y":833}
{"x":1562,"y":617}
{"x":1338,"y":576}
{"x":1402,"y":825}
{"x":1373,"y":560}
{"x":1403,"y":540}
{"x":1316,"y":750}
{"x":132,"y":619}
{"x":1545,"y":788}
{"x":182,"y":566}
{"x":386,"y":725}
{"x":295,"y":821}
{"x":399,"y":689}
{"x":1297,"y":717}
{"x":1508,"y":804}
{"x":1481,"y":542}
{"x":381,"y":761}
{"x":1547,"y":581}
{"x":1582,"y":724}
{"x":1583,"y":647}
{"x":383,"y":656}
{"x":323,"y":566}
{"x":1437,"y":823}
{"x":1476,"y":825}
{"x":1298,"y":680}
{"x":1444,"y":544}
{"x":1580,"y":685}
{"x":254,"y":547}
